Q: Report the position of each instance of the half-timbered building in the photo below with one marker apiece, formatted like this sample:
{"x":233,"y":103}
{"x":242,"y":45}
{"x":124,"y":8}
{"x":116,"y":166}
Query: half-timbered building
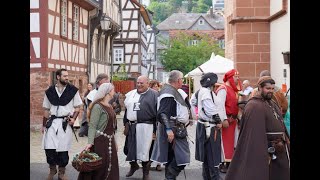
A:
{"x":58,"y":39}
{"x":101,"y":38}
{"x":151,"y":60}
{"x":131,"y":46}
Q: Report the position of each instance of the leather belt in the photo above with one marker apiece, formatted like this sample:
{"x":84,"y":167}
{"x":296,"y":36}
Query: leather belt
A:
{"x":232,"y":116}
{"x":132,"y":122}
{"x":203,"y":121}
{"x":49,"y":122}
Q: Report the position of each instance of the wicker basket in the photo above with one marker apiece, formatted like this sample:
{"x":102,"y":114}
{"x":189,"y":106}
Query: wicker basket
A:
{"x":86,"y":161}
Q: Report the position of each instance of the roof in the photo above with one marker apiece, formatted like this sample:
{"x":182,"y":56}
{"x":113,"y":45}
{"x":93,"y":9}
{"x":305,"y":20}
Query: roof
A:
{"x":216,"y":34}
{"x":87,"y":4}
{"x":184,"y":21}
{"x":144,"y":12}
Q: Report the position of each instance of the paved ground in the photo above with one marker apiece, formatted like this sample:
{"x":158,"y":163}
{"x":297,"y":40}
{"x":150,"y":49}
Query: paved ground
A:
{"x":39,"y":167}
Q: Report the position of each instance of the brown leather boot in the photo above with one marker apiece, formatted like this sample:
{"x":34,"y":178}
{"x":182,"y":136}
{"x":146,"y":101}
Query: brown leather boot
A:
{"x":145,"y":169}
{"x":133,"y":167}
{"x":158,"y":167}
{"x":53,"y":171}
{"x":62,"y":173}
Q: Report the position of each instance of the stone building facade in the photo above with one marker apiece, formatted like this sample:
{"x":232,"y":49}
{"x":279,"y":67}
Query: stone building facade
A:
{"x":247,"y":35}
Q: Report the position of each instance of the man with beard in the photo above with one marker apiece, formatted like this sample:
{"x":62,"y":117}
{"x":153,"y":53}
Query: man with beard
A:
{"x":228,"y":93}
{"x":278,"y":96}
{"x":208,"y":134}
{"x":140,"y":114}
{"x":62,"y":104}
{"x":171,"y":148}
{"x":263,"y":149}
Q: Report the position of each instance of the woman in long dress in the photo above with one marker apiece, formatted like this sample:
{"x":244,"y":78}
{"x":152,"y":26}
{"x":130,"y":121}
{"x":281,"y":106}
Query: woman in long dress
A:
{"x":101,"y":139}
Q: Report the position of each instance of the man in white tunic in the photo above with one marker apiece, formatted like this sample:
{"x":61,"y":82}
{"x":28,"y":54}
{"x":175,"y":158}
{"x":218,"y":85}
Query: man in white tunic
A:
{"x":61,"y":107}
{"x":140,"y":114}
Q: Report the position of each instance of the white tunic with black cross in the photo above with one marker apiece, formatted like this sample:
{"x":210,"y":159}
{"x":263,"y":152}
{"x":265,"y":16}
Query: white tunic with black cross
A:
{"x":142,"y":107}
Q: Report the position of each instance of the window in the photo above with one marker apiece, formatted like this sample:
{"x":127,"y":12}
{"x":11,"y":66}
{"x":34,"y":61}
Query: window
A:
{"x":193,"y":42}
{"x":53,"y":78}
{"x":221,"y":44}
{"x":201,"y":22}
{"x":118,"y":56}
{"x":64,"y":18}
{"x":75,"y":23}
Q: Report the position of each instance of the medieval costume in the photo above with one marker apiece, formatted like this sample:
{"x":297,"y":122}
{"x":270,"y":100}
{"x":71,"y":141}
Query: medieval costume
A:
{"x":263,"y":147}
{"x":208,"y":136}
{"x":57,"y":136}
{"x":84,"y":123}
{"x":278,"y":97}
{"x":172,"y":110}
{"x":228,"y":94}
{"x":140,"y":114}
{"x":102,"y":126}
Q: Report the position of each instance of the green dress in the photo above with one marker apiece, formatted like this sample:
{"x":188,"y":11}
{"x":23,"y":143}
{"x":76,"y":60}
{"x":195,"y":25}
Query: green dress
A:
{"x":287,"y":117}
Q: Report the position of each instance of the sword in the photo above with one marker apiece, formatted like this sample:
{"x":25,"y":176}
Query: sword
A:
{"x":190,"y":139}
{"x":75,"y":135}
{"x":68,"y":119}
{"x":287,"y":153}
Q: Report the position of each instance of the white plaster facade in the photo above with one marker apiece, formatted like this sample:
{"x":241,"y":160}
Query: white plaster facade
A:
{"x":279,"y":42}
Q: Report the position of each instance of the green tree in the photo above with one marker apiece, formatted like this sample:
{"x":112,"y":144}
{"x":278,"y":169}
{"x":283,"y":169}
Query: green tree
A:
{"x":185,"y":57}
{"x":175,"y":3}
{"x":200,"y":7}
{"x":162,"y":10}
{"x":208,"y":2}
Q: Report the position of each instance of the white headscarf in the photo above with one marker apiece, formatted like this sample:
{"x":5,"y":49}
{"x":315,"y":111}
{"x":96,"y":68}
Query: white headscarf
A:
{"x":103,"y":90}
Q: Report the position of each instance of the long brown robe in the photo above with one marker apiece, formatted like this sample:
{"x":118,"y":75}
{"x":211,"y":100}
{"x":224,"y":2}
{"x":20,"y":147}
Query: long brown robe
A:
{"x":251,"y":159}
{"x":101,"y":145}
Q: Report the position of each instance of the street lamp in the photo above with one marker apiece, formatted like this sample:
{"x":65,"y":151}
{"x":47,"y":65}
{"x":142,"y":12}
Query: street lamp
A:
{"x":286,"y":57}
{"x":105,"y":23}
{"x":105,"y":26}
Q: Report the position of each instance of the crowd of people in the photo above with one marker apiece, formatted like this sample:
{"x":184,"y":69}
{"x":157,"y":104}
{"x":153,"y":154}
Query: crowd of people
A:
{"x":240,"y":130}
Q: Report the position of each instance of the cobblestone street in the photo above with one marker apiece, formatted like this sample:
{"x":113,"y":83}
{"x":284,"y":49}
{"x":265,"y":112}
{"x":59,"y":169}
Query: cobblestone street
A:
{"x":39,"y":167}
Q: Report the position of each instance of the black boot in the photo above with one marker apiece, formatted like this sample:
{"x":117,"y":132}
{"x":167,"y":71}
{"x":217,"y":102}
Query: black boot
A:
{"x":223,"y":168}
{"x":145,"y":169}
{"x":133,"y":167}
{"x":214,"y":173}
{"x":205,"y":172}
{"x":169,"y":175}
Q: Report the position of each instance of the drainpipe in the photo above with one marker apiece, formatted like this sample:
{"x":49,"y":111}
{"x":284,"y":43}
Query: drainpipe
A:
{"x":89,"y":43}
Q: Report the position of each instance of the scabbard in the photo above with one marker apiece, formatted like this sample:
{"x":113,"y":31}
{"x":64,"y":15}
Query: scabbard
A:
{"x":75,"y":135}
{"x":215,"y":135}
{"x":49,"y":122}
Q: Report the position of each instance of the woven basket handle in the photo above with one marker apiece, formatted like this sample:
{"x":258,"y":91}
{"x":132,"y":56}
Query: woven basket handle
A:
{"x":82,"y":153}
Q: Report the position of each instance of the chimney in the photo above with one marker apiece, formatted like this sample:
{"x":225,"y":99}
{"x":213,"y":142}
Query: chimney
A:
{"x":211,"y":11}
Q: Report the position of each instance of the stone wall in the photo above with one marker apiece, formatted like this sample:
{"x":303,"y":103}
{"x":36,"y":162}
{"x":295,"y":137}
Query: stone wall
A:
{"x":248,"y":42}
